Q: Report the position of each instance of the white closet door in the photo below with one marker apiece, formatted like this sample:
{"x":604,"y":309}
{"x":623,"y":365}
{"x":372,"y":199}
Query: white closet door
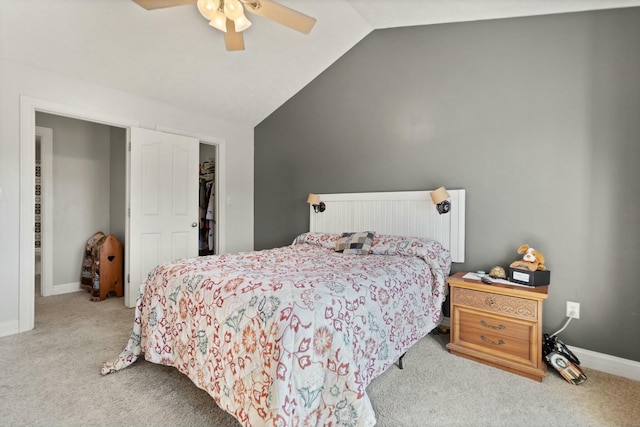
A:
{"x":164,"y":202}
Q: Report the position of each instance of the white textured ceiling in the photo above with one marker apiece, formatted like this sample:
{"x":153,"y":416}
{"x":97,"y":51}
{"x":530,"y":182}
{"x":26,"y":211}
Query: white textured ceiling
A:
{"x":173,"y":55}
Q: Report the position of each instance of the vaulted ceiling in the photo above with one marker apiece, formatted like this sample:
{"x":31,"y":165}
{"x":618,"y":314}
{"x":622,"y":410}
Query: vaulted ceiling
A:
{"x":173,"y":55}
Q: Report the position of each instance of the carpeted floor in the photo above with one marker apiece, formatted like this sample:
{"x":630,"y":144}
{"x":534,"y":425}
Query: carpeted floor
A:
{"x":50,"y":376}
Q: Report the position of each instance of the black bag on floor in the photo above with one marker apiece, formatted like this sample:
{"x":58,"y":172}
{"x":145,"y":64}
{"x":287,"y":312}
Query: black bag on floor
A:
{"x":558,"y":355}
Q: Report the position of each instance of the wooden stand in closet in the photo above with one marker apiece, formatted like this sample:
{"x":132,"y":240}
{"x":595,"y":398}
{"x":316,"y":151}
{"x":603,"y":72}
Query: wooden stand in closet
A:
{"x":102,"y":267}
{"x":110,"y":269}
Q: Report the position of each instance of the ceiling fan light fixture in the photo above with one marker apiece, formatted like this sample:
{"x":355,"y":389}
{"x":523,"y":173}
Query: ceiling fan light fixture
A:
{"x":219,"y":21}
{"x":229,"y":17}
{"x":208,"y":8}
{"x":233,"y":9}
{"x":242,"y":23}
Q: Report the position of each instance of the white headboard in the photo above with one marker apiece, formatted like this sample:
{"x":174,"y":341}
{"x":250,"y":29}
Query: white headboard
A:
{"x":401,"y":213}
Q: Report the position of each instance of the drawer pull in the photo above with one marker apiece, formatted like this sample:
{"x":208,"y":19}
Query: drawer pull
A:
{"x":487,"y":340}
{"x":486,"y":325}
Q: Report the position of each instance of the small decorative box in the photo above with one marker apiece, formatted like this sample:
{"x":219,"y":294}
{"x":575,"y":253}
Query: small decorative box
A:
{"x":531,"y":278}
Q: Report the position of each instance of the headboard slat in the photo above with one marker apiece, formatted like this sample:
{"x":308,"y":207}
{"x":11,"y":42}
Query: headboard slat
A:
{"x":402,"y":213}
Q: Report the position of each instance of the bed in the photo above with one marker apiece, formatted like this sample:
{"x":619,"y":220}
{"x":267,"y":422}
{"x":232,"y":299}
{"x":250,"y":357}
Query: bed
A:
{"x":292,"y":336}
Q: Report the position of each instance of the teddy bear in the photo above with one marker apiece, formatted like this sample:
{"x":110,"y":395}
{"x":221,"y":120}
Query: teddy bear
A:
{"x":532,"y":260}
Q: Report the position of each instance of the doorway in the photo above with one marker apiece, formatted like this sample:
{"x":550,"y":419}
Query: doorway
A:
{"x":29,"y":106}
{"x":207,"y":230}
{"x":87,"y":183}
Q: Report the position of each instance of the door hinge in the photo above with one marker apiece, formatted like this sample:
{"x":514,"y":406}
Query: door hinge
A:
{"x":129,"y":146}
{"x":128,"y":278}
{"x":129,"y":212}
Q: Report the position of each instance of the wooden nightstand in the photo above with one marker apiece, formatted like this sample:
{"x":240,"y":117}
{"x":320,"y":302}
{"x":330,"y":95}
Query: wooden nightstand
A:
{"x":498,"y":325}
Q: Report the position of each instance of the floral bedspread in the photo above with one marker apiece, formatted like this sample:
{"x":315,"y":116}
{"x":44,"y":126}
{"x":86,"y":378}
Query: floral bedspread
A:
{"x":290,"y":336}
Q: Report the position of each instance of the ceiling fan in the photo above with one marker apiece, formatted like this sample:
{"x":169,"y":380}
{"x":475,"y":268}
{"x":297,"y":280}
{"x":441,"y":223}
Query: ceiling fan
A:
{"x":228,"y":16}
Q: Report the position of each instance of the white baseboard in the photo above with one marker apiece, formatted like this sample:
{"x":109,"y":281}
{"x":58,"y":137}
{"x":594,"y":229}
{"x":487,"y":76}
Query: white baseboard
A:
{"x":9,"y":328}
{"x":605,"y":363}
{"x":598,"y":361}
{"x":66,"y":288}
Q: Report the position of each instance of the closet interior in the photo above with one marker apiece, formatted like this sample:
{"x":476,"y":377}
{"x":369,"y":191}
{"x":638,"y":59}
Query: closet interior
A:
{"x":207,"y":200}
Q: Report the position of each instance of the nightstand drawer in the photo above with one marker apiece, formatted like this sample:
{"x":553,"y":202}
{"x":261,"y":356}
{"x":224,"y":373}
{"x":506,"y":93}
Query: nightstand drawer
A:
{"x":494,"y":335}
{"x":503,"y":304}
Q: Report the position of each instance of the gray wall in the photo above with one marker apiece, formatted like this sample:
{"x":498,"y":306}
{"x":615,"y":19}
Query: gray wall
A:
{"x":207,"y":152}
{"x":538,"y":118}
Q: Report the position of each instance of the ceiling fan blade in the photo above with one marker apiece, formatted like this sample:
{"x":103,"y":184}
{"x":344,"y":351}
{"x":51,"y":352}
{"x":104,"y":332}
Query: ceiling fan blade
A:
{"x":233,"y":40}
{"x":281,"y":14}
{"x":157,"y":4}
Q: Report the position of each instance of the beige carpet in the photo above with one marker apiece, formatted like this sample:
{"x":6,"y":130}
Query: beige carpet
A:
{"x":50,"y":377}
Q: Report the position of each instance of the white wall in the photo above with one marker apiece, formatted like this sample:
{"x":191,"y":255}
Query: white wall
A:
{"x":19,"y":79}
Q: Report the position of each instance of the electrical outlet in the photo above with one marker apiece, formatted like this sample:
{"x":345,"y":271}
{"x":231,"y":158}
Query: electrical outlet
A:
{"x":573,"y":309}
